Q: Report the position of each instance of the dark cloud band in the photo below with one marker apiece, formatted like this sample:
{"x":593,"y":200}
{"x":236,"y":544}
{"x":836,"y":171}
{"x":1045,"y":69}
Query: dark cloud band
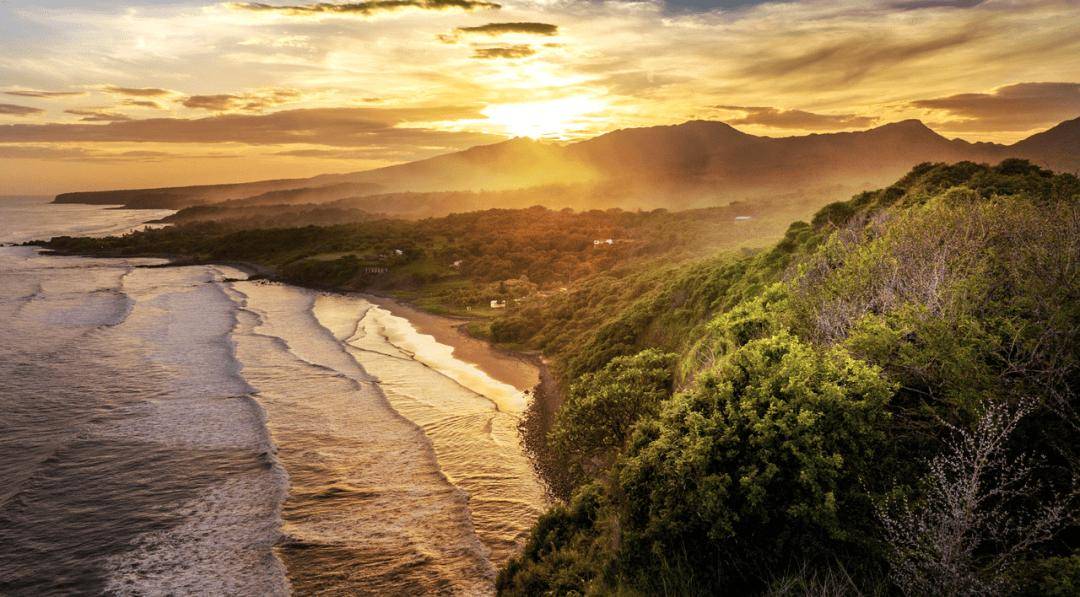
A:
{"x":365,"y":8}
{"x":137,"y":91}
{"x":334,"y":127}
{"x":515,"y":51}
{"x":249,"y":102}
{"x":42,"y":94}
{"x":94,"y":115}
{"x":14,"y":110}
{"x":1021,"y":106}
{"x":497,"y":29}
{"x":501,"y":28}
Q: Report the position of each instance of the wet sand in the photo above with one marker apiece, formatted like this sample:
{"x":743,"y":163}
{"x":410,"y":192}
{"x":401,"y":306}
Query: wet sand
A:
{"x":503,"y":366}
{"x":519,"y":371}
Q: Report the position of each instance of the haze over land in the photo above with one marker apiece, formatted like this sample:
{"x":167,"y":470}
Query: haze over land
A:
{"x":694,"y":164}
{"x":101,"y":95}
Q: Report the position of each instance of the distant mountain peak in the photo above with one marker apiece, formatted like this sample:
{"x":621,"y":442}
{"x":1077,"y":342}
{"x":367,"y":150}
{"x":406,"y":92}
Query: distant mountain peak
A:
{"x":1057,"y":147}
{"x":713,"y":124}
{"x":1066,"y":128}
{"x":911,"y":125}
{"x":697,"y":153}
{"x":691,"y":129}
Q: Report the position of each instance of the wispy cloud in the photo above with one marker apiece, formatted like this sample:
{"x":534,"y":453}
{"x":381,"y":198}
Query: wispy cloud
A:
{"x":363,"y":8}
{"x":15,"y":110}
{"x":43,"y":94}
{"x":365,"y":153}
{"x":97,"y":115}
{"x":142,"y":103}
{"x":926,"y":4}
{"x":137,"y":91}
{"x":247,"y":102}
{"x":853,"y":58}
{"x":83,"y":154}
{"x":508,"y":51}
{"x":497,"y":29}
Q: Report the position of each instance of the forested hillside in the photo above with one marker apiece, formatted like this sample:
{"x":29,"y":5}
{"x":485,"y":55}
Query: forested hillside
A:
{"x":884,"y":401}
{"x":458,"y":263}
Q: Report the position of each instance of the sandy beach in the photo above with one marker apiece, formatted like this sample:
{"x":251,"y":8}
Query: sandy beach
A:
{"x":500,"y":365}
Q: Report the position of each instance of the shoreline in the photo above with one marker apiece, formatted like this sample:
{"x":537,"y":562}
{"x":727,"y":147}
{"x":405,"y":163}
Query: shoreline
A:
{"x":515,"y":369}
{"x":524,"y":371}
{"x":530,"y":373}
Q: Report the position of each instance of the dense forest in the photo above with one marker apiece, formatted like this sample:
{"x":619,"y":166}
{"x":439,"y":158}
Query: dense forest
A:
{"x":880,"y":400}
{"x":883,"y":402}
{"x":457,"y":263}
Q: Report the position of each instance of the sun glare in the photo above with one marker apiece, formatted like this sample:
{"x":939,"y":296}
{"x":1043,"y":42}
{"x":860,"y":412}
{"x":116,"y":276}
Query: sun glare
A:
{"x":551,"y":119}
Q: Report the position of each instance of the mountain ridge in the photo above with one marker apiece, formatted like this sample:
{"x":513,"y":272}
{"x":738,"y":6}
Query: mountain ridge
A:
{"x":696,"y":157}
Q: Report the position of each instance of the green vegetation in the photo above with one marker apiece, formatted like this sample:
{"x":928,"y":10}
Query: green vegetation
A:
{"x":601,"y":409}
{"x":885,"y":401}
{"x":454,"y":264}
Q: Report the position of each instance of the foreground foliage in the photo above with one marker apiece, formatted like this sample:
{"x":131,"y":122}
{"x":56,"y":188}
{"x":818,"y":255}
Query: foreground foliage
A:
{"x":884,"y":402}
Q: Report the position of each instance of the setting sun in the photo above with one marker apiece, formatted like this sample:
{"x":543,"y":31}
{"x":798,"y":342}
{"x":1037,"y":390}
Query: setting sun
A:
{"x":554,"y":119}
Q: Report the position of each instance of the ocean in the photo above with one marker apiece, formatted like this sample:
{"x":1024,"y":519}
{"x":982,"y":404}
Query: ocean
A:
{"x":184,"y":430}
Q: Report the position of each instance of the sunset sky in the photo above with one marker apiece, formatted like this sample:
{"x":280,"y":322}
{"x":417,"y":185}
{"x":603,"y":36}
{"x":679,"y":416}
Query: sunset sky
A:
{"x":101,"y":94}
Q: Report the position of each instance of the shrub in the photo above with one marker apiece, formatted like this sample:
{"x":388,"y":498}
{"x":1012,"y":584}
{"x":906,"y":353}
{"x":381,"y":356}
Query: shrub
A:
{"x":759,"y":464}
{"x":601,"y":409}
{"x":1048,"y":577}
{"x":975,"y":519}
{"x":560,"y":557}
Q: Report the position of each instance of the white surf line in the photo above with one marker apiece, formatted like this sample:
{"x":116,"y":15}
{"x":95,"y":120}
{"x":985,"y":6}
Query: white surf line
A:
{"x":400,"y":333}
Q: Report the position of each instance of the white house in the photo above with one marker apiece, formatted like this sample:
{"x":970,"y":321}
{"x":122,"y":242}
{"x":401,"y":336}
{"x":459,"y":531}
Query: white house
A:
{"x":497,"y":304}
{"x":606,"y":241}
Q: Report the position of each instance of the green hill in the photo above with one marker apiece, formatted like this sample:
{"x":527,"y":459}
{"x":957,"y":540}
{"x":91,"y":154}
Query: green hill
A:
{"x":883,"y":401}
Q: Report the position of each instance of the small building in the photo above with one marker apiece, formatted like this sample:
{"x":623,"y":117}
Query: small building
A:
{"x":456,"y":264}
{"x":497,"y":304}
{"x":398,"y":252}
{"x":603,"y":241}
{"x":743,"y":218}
